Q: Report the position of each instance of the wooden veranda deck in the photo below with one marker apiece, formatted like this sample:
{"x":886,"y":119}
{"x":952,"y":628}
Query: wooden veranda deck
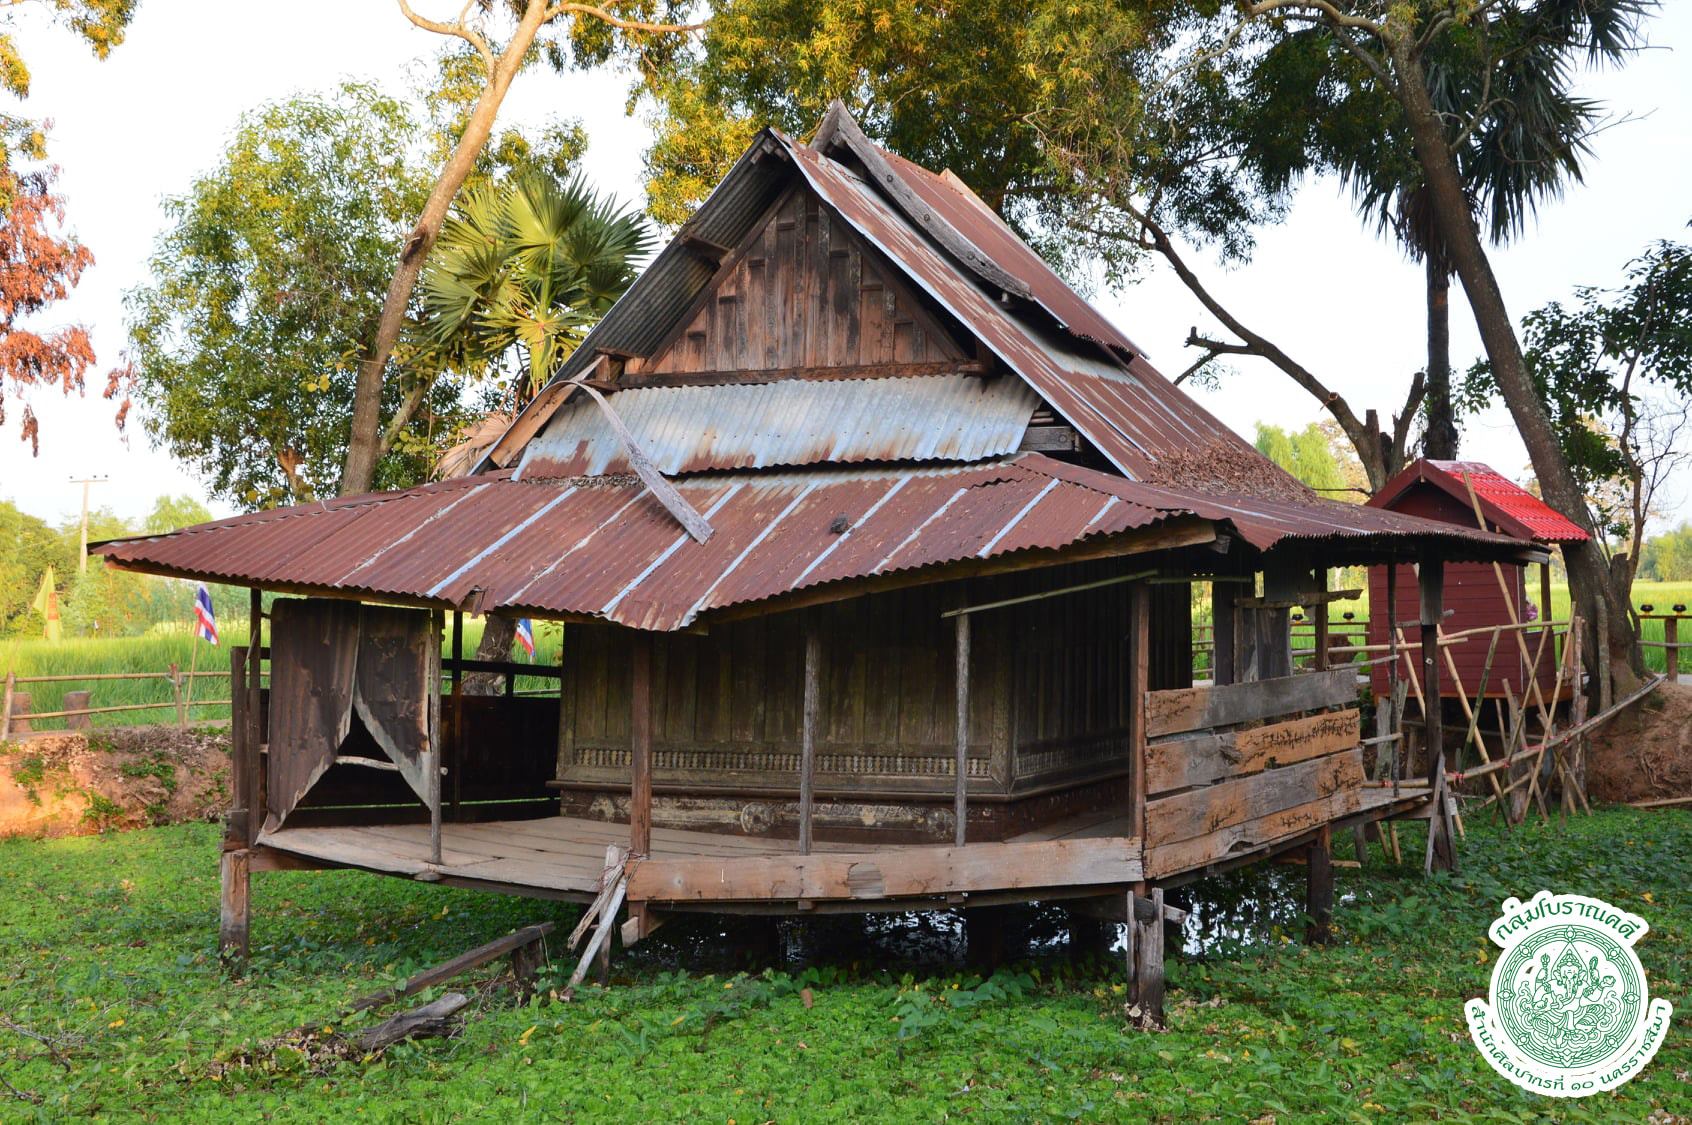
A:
{"x":564,"y":857}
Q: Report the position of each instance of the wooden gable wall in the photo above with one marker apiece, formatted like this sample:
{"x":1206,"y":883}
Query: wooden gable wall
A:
{"x":804,"y":291}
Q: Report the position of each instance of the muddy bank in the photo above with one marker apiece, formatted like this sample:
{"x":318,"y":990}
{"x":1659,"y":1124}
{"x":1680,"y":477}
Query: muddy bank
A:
{"x":1646,"y":753}
{"x":109,"y":779}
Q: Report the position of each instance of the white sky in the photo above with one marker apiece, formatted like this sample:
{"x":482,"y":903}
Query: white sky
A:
{"x":142,"y":124}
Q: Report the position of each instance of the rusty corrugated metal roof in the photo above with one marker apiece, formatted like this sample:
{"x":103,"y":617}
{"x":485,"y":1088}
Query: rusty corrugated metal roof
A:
{"x":1503,"y":501}
{"x":604,"y":547}
{"x":755,"y":426}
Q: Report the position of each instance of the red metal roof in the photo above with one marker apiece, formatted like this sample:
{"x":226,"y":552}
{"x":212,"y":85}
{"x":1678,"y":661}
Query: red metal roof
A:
{"x":604,"y":547}
{"x":1507,"y":505}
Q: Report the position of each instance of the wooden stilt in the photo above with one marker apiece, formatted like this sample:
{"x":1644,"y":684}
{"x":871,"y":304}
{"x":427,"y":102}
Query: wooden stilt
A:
{"x":1145,"y":928}
{"x":233,"y":914}
{"x":1319,"y":888}
{"x":640,"y":771}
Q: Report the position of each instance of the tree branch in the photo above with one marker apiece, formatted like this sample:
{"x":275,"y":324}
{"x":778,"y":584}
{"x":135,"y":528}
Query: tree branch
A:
{"x":457,"y":29}
{"x":617,"y":21}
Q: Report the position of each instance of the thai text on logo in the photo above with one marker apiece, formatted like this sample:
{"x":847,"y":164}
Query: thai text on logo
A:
{"x":1568,"y":1013}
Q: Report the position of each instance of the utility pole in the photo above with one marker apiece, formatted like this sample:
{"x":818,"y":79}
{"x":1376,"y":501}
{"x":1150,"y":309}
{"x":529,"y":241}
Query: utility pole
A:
{"x":82,"y":567}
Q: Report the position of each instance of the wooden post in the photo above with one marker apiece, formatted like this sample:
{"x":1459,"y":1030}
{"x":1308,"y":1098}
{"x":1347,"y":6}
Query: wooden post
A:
{"x":640,"y":746}
{"x":456,"y":753}
{"x":1671,"y":642}
{"x":1145,"y":952}
{"x":1139,"y":680}
{"x":232,"y":927}
{"x":1399,"y":748}
{"x":808,"y":733}
{"x":238,"y":831}
{"x":6,"y":705}
{"x":1431,"y":579}
{"x":435,"y":739}
{"x":1319,"y":887}
{"x":1321,"y":622}
{"x":1545,"y":613}
{"x":176,"y":690}
{"x":1222,"y":632}
{"x":1442,"y":853}
{"x":77,"y":701}
{"x":960,"y":767}
{"x":256,"y":779}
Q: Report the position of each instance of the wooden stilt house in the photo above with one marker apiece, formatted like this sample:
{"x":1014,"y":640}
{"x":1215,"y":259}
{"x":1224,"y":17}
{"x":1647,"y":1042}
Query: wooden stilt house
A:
{"x":874,"y":547}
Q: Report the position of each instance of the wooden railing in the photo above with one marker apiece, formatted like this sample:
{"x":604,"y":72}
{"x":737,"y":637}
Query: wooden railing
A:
{"x":16,"y":713}
{"x":1671,"y":644}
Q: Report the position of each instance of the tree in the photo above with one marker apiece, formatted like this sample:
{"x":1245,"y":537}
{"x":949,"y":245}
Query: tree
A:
{"x":172,"y":513}
{"x":585,"y":34}
{"x":39,"y":266}
{"x":28,"y":546}
{"x":1614,"y":368}
{"x":243,"y":346}
{"x":522,"y":269}
{"x":1310,"y":455}
{"x":1668,"y":557}
{"x":1391,"y":40}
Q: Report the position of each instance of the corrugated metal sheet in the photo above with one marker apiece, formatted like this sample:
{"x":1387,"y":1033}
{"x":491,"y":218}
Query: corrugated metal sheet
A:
{"x":694,"y":429}
{"x":605,"y":547}
{"x":1503,"y":501}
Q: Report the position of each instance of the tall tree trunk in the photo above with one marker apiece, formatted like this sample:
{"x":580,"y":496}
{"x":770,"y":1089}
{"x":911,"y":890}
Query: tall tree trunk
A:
{"x":364,"y":444}
{"x":1589,"y":578}
{"x":1440,"y":441}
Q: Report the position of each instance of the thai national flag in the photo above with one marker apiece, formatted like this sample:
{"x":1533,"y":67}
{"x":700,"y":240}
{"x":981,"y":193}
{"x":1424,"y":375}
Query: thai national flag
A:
{"x":205,"y":621}
{"x":526,"y":636}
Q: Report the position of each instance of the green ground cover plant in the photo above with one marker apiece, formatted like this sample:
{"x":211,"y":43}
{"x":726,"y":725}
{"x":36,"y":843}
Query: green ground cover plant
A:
{"x":115,"y":1008}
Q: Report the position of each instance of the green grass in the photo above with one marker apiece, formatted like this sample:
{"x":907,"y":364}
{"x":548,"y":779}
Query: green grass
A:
{"x":106,"y":948}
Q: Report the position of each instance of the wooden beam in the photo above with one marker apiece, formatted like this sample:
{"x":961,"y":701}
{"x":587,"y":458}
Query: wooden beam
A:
{"x":1195,"y":812}
{"x":901,"y":872}
{"x":1145,"y":944}
{"x":1050,"y":439}
{"x":1223,"y":621}
{"x":1044,"y":594}
{"x":808,"y":733}
{"x":1206,"y":756}
{"x":960,"y":762}
{"x":1430,"y":579}
{"x":1185,"y":709}
{"x":463,"y":963}
{"x":254,"y":713}
{"x":755,"y":375}
{"x":640,"y":746}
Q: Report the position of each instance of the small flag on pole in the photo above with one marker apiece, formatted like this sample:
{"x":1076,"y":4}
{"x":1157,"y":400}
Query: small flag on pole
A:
{"x":526,"y":637}
{"x":205,"y":621}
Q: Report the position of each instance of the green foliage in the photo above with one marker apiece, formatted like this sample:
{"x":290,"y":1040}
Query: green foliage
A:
{"x":522,"y":269}
{"x":266,"y":287}
{"x":1310,"y":455}
{"x":99,"y":23}
{"x":110,"y":952}
{"x":1668,"y":557}
{"x":28,"y":546}
{"x":172,"y":513}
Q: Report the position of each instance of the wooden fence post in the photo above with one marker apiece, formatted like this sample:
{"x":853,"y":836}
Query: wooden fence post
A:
{"x":6,"y":706}
{"x":1671,"y":642}
{"x":175,"y":677}
{"x":1145,"y":952}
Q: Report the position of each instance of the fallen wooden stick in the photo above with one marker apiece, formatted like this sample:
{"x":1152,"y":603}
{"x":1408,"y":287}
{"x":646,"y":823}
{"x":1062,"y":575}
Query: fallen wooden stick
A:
{"x":464,"y":962}
{"x":1660,"y":803}
{"x":432,"y":1020}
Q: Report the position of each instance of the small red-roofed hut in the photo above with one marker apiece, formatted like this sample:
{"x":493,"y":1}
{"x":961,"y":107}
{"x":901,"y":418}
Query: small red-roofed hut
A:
{"x":1477,"y":594}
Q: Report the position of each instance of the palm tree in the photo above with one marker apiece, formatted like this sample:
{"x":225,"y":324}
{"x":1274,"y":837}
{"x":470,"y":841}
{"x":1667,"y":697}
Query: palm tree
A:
{"x":522,"y":270}
{"x":1523,"y":147}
